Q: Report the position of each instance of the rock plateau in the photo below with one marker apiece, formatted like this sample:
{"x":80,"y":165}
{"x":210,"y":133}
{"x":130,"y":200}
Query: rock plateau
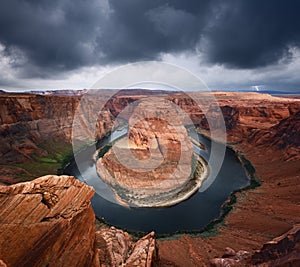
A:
{"x":261,"y":128}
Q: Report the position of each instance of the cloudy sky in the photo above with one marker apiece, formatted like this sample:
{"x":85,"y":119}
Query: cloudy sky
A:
{"x":232,"y":44}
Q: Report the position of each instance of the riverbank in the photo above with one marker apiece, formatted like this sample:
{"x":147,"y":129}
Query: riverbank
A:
{"x":213,"y":228}
{"x":209,"y":228}
{"x":263,"y":210}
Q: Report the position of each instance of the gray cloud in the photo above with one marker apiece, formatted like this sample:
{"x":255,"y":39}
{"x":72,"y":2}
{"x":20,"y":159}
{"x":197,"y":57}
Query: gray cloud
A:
{"x":254,"y":33}
{"x":50,"y":37}
{"x":141,"y":30}
{"x":63,"y":35}
{"x":52,"y":34}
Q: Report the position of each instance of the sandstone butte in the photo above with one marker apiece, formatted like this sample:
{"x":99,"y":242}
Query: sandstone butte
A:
{"x":156,"y":169}
{"x":263,"y":128}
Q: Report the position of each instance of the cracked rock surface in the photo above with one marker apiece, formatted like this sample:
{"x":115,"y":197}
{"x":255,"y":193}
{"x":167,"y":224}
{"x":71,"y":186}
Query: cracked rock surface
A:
{"x":47,"y":222}
{"x":117,"y":248}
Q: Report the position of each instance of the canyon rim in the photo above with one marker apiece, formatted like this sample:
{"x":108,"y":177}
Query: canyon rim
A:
{"x":149,"y":133}
{"x":256,"y":129}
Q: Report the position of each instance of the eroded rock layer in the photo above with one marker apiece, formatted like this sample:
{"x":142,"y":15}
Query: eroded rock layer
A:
{"x":117,"y":248}
{"x":47,"y":222}
{"x":264,"y":129}
{"x":267,"y":211}
{"x":281,"y":251}
{"x":153,"y":166}
{"x":36,"y":131}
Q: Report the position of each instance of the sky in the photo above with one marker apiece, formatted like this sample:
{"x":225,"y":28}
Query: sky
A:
{"x":70,"y":44}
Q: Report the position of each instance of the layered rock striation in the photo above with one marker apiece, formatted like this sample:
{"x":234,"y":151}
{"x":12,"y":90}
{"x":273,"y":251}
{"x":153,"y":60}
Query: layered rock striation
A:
{"x":283,"y":250}
{"x":153,"y":166}
{"x":50,"y":222}
{"x":36,"y":131}
{"x":26,"y":121}
{"x":34,"y":128}
{"x":269,"y":142}
{"x":263,"y":128}
{"x":47,"y":222}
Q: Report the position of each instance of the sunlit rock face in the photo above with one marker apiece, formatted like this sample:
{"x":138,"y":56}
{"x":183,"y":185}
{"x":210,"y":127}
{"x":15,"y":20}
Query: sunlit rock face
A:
{"x":48,"y":222}
{"x":152,"y":166}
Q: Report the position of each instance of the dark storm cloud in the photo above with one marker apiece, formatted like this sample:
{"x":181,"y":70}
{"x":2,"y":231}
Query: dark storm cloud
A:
{"x":52,"y":34}
{"x":144,"y":29}
{"x":248,"y":34}
{"x":63,"y":35}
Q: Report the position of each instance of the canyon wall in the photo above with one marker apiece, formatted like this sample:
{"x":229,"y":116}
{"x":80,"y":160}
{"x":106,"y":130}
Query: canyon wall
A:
{"x":28,"y":120}
{"x":157,"y":156}
{"x":281,"y":251}
{"x":264,"y":129}
{"x":38,"y":128}
{"x":36,"y":132}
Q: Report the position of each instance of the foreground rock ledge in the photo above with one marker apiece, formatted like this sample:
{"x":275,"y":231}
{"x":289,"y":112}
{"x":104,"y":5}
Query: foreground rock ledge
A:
{"x":47,"y":222}
{"x":50,"y":222}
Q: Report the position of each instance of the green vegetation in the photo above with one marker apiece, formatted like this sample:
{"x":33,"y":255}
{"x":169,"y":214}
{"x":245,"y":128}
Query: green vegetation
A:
{"x":48,"y":160}
{"x":58,"y":155}
{"x":212,"y":228}
{"x":254,"y":181}
{"x":103,"y":150}
{"x":197,"y":167}
{"x":37,"y":169}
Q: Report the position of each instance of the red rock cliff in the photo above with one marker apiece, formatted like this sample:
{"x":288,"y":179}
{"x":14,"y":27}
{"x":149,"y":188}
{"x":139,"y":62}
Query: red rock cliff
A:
{"x":50,"y":222}
{"x":264,"y":128}
{"x":26,"y":121}
{"x":47,"y":222}
{"x":33,"y":127}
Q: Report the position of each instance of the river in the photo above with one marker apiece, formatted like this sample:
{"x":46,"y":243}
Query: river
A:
{"x":192,"y":214}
